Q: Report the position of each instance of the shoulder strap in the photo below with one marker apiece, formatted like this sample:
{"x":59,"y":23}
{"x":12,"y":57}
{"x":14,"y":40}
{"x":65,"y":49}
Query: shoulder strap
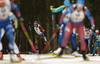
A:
{"x":83,"y":9}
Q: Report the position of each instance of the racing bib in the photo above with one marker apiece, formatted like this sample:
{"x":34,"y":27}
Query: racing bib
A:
{"x":4,"y":11}
{"x":77,"y":17}
{"x":37,"y":29}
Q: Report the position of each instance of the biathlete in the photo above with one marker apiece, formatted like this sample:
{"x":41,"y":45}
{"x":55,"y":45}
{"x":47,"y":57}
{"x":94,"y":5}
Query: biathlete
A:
{"x":78,"y":13}
{"x":63,"y":8}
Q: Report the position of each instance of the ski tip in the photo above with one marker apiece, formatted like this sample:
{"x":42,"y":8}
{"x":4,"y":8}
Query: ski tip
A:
{"x":15,"y":61}
{"x":87,"y":59}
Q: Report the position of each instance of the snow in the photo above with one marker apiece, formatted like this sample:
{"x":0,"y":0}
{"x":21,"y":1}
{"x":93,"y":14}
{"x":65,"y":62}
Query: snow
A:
{"x":50,"y":59}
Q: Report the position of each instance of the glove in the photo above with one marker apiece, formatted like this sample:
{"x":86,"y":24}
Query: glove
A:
{"x":51,"y":8}
{"x":21,"y":19}
{"x":43,"y":30}
{"x":58,"y":25}
{"x":92,"y":45}
{"x":16,"y":29}
{"x":97,"y":40}
{"x":92,"y":27}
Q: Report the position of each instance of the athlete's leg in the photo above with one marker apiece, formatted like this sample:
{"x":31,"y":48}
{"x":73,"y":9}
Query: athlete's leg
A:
{"x":0,"y":41}
{"x":74,"y":45}
{"x":89,"y":44}
{"x":9,"y":32}
{"x":80,"y":30}
{"x":81,"y":36}
{"x":1,"y":54}
{"x":16,"y":50}
{"x":67,"y":33}
{"x":99,"y":48}
{"x":1,"y":35}
{"x":95,"y":46}
{"x":61,"y":34}
{"x":73,"y":40}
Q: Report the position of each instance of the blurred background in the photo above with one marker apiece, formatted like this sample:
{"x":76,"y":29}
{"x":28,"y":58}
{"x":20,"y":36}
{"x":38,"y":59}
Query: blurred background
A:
{"x":39,"y":10}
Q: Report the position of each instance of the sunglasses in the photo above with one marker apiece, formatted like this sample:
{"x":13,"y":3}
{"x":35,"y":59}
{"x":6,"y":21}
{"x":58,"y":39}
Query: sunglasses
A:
{"x":35,"y":23}
{"x":80,"y":5}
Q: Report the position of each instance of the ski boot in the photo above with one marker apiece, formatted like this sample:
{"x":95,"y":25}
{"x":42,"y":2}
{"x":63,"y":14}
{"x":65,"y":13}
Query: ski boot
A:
{"x":13,"y":57}
{"x":76,"y":54}
{"x":84,"y":56}
{"x":1,"y":55}
{"x":93,"y":54}
{"x":20,"y":58}
{"x":58,"y":52}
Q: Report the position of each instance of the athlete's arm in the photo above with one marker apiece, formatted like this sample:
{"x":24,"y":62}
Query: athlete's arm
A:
{"x":58,"y":9}
{"x":15,"y":8}
{"x":88,"y":14}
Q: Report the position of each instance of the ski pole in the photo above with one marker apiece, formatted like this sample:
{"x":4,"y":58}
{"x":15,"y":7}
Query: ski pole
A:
{"x":50,"y":40}
{"x":48,"y":44}
{"x":26,"y":34}
{"x":53,"y":24}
